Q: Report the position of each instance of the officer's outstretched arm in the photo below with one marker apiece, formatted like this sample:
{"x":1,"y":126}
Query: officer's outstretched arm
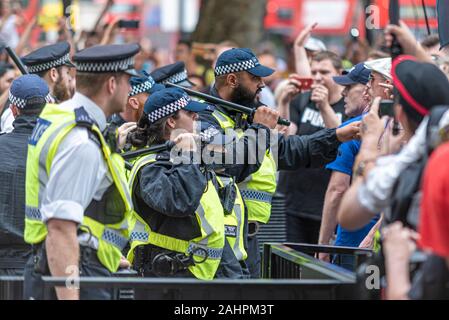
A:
{"x":314,"y":150}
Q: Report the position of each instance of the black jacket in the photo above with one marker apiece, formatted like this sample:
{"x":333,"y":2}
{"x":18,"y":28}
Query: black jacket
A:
{"x":290,"y":152}
{"x":13,"y":150}
{"x":167,"y":195}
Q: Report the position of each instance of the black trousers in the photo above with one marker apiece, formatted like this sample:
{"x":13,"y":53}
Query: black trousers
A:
{"x":89,"y":266}
{"x":13,"y":259}
{"x":253,"y":260}
{"x":302,"y":230}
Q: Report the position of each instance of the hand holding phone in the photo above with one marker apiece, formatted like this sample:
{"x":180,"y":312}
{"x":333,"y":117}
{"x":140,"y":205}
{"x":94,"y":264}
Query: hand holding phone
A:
{"x":386,"y":108}
{"x":303,"y":84}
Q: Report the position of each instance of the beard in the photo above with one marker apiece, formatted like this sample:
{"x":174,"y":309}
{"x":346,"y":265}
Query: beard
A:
{"x":244,"y":96}
{"x":61,"y":92}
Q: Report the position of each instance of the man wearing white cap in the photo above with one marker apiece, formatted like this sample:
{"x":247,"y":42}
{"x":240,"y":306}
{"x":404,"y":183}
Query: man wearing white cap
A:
{"x":380,"y":84}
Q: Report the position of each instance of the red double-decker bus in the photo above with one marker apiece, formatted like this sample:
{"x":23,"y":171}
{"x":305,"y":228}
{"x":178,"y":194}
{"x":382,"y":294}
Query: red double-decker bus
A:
{"x":338,"y":17}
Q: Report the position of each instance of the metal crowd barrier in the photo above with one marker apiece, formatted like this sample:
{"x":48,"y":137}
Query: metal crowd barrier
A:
{"x":289,"y":272}
{"x":192,"y":289}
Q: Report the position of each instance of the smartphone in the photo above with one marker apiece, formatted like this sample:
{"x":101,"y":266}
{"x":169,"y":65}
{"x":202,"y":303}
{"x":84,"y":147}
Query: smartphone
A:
{"x":386,"y":108}
{"x":129,"y":24}
{"x":305,"y":84}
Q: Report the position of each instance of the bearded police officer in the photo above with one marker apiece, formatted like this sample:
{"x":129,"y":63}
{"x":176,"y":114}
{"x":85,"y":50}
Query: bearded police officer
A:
{"x":52,"y":63}
{"x":238,"y":78}
{"x":77,"y":202}
{"x":27,"y":97}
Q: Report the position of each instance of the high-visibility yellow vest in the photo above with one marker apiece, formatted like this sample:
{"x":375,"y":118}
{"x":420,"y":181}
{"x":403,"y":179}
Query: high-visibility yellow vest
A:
{"x":235,"y":222}
{"x":106,"y":219}
{"x":257,"y":189}
{"x":210,"y":220}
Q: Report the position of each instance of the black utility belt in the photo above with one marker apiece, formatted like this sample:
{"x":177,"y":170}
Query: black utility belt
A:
{"x":253,"y":228}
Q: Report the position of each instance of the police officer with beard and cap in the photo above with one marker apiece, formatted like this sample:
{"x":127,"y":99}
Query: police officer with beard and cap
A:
{"x":238,"y":78}
{"x":77,"y":201}
{"x":27,"y":97}
{"x":51,"y":63}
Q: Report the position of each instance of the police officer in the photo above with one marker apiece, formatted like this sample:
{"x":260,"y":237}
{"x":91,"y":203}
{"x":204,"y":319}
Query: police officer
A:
{"x":172,"y":73}
{"x":180,"y":231}
{"x":238,"y":78}
{"x":27,"y":97}
{"x":141,"y":88}
{"x":77,"y":202}
{"x":51,"y":63}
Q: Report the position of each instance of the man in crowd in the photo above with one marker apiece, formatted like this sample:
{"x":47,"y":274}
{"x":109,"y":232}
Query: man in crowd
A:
{"x":310,"y":112}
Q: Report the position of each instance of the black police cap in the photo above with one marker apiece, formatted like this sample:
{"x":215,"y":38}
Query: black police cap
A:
{"x":173,"y":73}
{"x":47,"y":57}
{"x":107,"y":58}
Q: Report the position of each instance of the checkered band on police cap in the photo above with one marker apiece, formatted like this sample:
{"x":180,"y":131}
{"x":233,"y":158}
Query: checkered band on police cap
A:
{"x":22,"y":103}
{"x":142,"y":87}
{"x":177,"y":77}
{"x":234,"y":67}
{"x":110,"y":66}
{"x":168,"y":109}
{"x":50,"y":64}
{"x":209,"y":133}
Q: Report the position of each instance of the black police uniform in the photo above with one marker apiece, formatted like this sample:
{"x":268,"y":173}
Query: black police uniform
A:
{"x":28,"y":92}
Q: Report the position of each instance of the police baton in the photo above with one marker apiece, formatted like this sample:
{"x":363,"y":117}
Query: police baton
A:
{"x":16,"y":60}
{"x":224,"y":103}
{"x":168,"y":145}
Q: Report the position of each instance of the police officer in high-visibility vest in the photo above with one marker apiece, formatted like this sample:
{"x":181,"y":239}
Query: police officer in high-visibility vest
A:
{"x":126,"y":121}
{"x":77,"y":202}
{"x":180,"y":231}
{"x":141,"y":88}
{"x":238,"y":78}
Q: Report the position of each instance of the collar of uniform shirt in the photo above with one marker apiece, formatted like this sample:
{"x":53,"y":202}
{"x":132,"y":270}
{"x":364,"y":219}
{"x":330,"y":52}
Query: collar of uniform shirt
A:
{"x":94,"y":111}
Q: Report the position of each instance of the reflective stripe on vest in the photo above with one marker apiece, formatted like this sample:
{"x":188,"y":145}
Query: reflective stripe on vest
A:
{"x":211,"y":240}
{"x":235,"y":220}
{"x":257,"y":189}
{"x":52,"y":127}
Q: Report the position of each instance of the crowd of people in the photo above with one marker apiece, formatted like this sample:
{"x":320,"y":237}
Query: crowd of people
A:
{"x":111,"y":162}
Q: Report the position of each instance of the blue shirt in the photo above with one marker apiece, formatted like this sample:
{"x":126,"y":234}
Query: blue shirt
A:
{"x":344,"y":163}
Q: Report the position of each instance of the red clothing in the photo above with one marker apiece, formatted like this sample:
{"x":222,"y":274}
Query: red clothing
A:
{"x":434,"y":217}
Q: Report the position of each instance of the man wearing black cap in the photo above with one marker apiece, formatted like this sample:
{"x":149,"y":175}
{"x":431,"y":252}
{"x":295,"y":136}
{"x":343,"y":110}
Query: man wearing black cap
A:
{"x":27,"y":96}
{"x":238,"y":78}
{"x":173,"y":73}
{"x":52,"y":63}
{"x":77,"y":201}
